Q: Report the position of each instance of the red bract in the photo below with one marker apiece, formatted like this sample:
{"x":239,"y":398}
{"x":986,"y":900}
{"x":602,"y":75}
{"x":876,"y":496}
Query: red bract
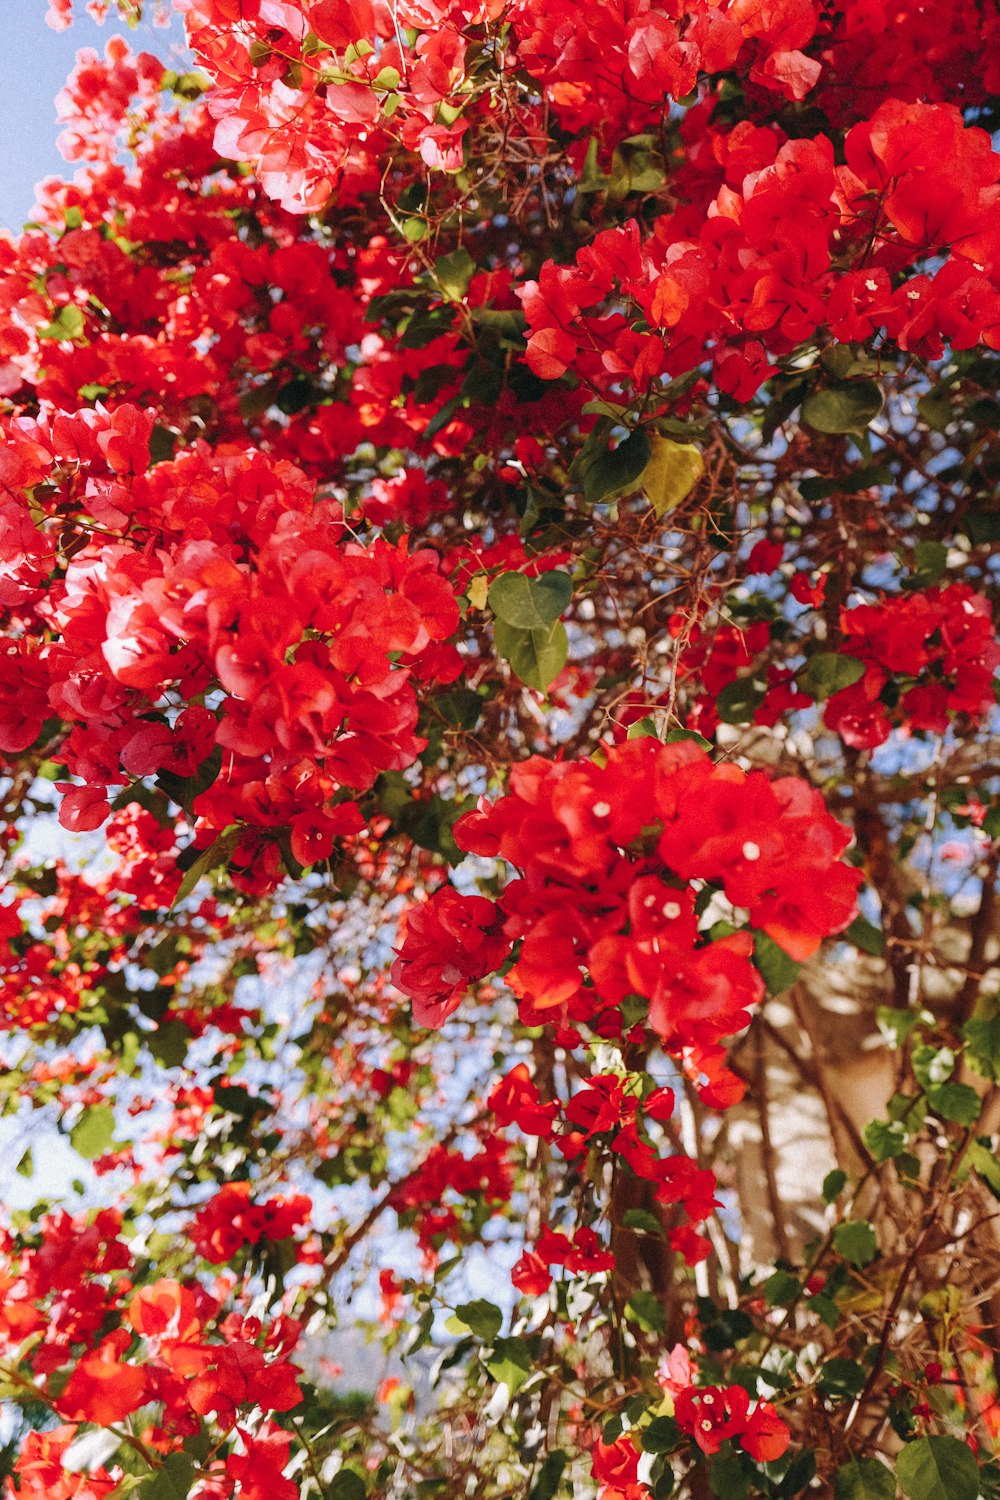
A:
{"x":713,"y":1414}
{"x":604,"y":910}
{"x":41,"y":1476}
{"x":101,"y":1388}
{"x":940,"y":646}
{"x":231,"y":1220}
{"x":450,"y":942}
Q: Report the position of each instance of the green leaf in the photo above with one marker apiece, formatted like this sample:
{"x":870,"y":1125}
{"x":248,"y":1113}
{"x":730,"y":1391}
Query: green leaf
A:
{"x":884,"y":1139}
{"x":847,"y":406}
{"x":833,"y":1184}
{"x":929,"y":562}
{"x":171,"y":1482}
{"x":661,"y":1436}
{"x":829,"y":672}
{"x":957,"y":1102}
{"x":815,"y":487}
{"x":674,"y":737}
{"x":842,"y":1378}
{"x":672,"y":472}
{"x":866,"y":936}
{"x":210,"y":859}
{"x":982,"y":1160}
{"x":855,"y":1241}
{"x":983,"y":1051}
{"x":551,"y":1472}
{"x":451,"y":272}
{"x":726,"y":1477}
{"x":510,"y":1363}
{"x":646,"y":1309}
{"x":739,"y":701}
{"x":461,"y":707}
{"x":346,"y":1485}
{"x":781,"y":1288}
{"x":864,"y":1479}
{"x":825,"y":1309}
{"x":938,"y":1468}
{"x":481,"y":1317}
{"x":778,"y":970}
{"x":68,"y":323}
{"x":530,"y":603}
{"x":26,"y":1166}
{"x":933,"y":1065}
{"x":798,"y":1476}
{"x":643,"y":1221}
{"x":93,"y":1132}
{"x":620,"y":469}
{"x":169,"y":1043}
{"x":896,"y":1025}
{"x":535,"y":656}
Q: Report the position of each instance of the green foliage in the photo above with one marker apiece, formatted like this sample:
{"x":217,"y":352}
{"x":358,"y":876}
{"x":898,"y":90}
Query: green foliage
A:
{"x":93,"y":1132}
{"x":856,"y":1241}
{"x":530,"y":603}
{"x":938,"y":1468}
{"x":171,"y":1482}
{"x":510,"y":1363}
{"x":739,"y":700}
{"x":828,"y":672}
{"x":616,"y":470}
{"x":646,"y":1310}
{"x":864,"y":1479}
{"x":847,"y":406}
{"x":482,"y":1318}
{"x":347,"y":1485}
{"x":671,"y":474}
{"x":535,"y":656}
{"x":779,"y":971}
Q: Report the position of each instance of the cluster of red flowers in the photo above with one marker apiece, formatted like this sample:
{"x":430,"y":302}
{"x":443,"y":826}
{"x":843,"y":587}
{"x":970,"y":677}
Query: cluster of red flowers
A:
{"x":711,"y":1415}
{"x":308,"y":641}
{"x":464,"y":928}
{"x":942,"y":639}
{"x":75,"y":1285}
{"x":614,"y":855}
{"x":231,"y":1220}
{"x":606,"y":1111}
{"x":317,"y":94}
{"x":42,"y":1475}
{"x":422,"y":1198}
{"x":917,"y":183}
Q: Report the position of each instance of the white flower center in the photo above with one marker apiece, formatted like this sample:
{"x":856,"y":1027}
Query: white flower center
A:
{"x":602,"y":809}
{"x":671,"y":911}
{"x":751,"y":850}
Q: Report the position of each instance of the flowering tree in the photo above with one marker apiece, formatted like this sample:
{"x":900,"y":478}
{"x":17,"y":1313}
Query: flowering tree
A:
{"x":498,"y":534}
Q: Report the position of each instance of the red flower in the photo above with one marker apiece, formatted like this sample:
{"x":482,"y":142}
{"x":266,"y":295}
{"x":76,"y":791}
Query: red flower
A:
{"x":101,"y":1388}
{"x":450,"y":942}
{"x":531,"y":1275}
{"x":616,"y":1464}
{"x":712,"y":1414}
{"x":766,"y":1437}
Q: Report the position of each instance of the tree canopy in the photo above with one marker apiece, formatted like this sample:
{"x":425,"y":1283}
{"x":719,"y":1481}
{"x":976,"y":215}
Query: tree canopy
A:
{"x":499,"y":524}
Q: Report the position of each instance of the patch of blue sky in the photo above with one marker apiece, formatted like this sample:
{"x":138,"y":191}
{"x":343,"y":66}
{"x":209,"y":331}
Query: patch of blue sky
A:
{"x":35,"y":62}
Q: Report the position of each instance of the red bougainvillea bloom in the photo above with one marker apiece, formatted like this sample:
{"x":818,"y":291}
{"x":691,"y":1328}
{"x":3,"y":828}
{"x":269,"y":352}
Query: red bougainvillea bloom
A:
{"x":450,"y":942}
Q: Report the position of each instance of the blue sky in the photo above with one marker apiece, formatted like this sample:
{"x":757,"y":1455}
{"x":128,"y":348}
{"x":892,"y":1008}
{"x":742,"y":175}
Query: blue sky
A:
{"x":34,"y":63}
